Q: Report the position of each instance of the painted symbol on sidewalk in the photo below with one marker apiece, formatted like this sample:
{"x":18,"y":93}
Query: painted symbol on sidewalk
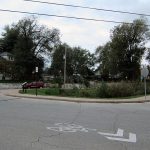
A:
{"x":66,"y":127}
{"x":119,"y":136}
{"x":72,"y":128}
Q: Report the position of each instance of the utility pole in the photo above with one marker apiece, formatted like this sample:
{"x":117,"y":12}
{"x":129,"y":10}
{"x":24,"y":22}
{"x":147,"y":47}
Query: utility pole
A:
{"x":65,"y":66}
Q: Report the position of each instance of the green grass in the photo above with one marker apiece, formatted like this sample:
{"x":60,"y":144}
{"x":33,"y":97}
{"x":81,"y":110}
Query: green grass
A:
{"x":117,"y":90}
{"x":44,"y":91}
{"x":33,"y":91}
{"x":86,"y":93}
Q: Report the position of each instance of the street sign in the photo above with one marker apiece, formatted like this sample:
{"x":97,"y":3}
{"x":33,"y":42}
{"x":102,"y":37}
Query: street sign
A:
{"x":36,"y":69}
{"x":144,"y":72}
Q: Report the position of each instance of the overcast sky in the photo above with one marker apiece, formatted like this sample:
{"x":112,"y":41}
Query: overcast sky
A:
{"x":86,"y":34}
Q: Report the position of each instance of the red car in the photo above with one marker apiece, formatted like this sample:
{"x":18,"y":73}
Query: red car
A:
{"x":38,"y":84}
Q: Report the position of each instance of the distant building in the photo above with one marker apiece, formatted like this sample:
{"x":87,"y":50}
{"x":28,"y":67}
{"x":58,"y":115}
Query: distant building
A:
{"x":97,"y":72}
{"x":7,"y":56}
{"x":6,"y":65}
{"x":47,"y":77}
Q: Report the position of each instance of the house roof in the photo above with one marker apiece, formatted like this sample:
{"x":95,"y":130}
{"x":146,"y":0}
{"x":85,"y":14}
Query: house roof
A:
{"x":5,"y":54}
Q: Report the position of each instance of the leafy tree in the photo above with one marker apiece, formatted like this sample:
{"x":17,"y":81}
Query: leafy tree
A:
{"x":9,"y":39}
{"x":30,"y":42}
{"x":123,"y":54}
{"x":78,"y":61}
{"x":82,"y":61}
{"x":6,"y":67}
{"x":57,"y":63}
{"x":103,"y":59}
{"x":128,"y":47}
{"x":43,"y":39}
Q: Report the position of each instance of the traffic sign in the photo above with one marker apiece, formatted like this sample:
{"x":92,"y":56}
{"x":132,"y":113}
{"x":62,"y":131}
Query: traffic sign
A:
{"x":36,"y":69}
{"x":144,"y":72}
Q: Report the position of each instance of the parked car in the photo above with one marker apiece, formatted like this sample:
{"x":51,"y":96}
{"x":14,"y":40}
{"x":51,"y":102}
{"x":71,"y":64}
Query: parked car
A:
{"x":38,"y":84}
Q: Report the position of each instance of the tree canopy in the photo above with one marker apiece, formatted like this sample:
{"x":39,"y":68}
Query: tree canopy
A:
{"x":78,"y":61}
{"x":28,"y":41}
{"x":125,"y":50}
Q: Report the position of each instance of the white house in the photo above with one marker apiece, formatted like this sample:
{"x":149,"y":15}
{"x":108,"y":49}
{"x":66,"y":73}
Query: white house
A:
{"x":7,"y":56}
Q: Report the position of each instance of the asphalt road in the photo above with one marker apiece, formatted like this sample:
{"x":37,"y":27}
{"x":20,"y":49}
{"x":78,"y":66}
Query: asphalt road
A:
{"x":27,"y":124}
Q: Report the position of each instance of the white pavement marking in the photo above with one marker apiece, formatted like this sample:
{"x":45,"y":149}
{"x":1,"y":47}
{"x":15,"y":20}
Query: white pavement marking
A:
{"x":118,"y":134}
{"x":132,"y":138}
{"x":66,"y":127}
{"x":61,"y":129}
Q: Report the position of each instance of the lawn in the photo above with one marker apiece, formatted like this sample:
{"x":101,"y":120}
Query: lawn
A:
{"x":113,"y":90}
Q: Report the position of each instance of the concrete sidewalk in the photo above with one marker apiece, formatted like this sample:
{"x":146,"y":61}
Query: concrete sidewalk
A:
{"x":15,"y":93}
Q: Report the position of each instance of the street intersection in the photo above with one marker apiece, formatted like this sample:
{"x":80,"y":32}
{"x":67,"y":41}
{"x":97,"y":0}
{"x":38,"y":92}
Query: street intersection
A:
{"x":43,"y":125}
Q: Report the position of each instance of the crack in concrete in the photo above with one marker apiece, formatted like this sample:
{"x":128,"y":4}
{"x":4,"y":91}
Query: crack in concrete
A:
{"x":6,"y":100}
{"x":77,"y":115}
{"x":51,"y":145}
{"x":116,"y":118}
{"x":38,"y":139}
{"x":124,"y":146}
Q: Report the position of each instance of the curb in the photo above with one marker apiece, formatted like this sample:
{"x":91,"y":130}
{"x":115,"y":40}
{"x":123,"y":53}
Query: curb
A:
{"x":79,"y":100}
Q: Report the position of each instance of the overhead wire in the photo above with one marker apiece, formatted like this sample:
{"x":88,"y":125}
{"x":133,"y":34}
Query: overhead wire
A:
{"x":87,"y":7}
{"x":63,"y":16}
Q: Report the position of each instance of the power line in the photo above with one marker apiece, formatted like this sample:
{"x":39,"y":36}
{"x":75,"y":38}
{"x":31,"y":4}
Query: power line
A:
{"x":60,"y":16}
{"x":92,"y":8}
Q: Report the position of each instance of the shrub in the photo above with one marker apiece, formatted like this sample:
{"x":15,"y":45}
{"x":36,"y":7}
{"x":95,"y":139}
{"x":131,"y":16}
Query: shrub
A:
{"x":147,"y":87}
{"x":102,"y":91}
{"x":120,"y":89}
{"x":88,"y":93}
{"x":86,"y":83}
{"x":70,"y":92}
{"x":105,"y":90}
{"x":59,"y":81}
{"x":139,"y":88}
